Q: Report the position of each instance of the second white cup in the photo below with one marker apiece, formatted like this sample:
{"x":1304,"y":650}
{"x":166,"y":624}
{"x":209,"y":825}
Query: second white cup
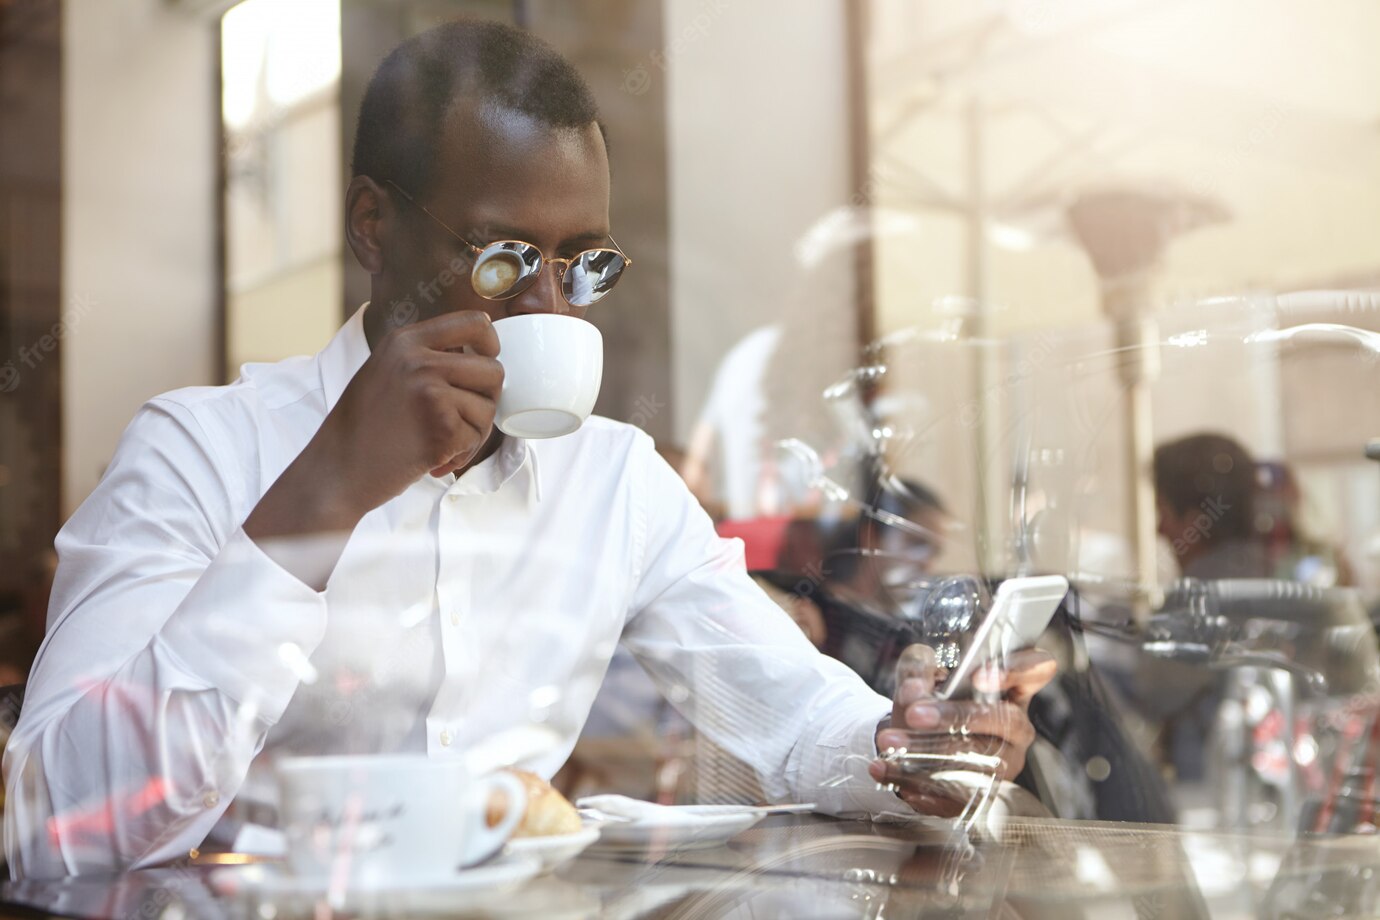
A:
{"x":390,"y":820}
{"x":552,"y":368}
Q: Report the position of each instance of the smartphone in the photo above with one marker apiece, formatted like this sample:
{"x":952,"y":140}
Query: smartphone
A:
{"x":1020,"y":612}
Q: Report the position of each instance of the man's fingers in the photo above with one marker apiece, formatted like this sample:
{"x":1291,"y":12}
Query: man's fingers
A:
{"x":925,"y":804}
{"x":924,"y":795}
{"x":911,"y":691}
{"x":915,"y":676}
{"x":946,"y":734}
{"x":471,"y":372}
{"x":1019,"y":677}
{"x":471,"y":423}
{"x":907,"y":781}
{"x":917,"y":660}
{"x":477,"y":409}
{"x":934,"y":731}
{"x":1002,"y":719}
{"x":930,"y":754}
{"x":453,"y":331}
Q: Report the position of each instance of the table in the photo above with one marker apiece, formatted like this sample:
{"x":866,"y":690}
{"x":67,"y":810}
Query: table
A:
{"x":813,"y":866}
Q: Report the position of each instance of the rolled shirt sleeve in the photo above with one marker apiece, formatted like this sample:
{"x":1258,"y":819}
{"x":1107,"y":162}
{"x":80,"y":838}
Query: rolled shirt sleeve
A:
{"x":174,"y":643}
{"x":739,"y":668}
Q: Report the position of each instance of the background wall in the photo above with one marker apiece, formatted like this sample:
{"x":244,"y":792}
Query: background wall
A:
{"x":759,"y":152}
{"x":31,"y":309}
{"x":139,"y":228}
{"x":280,"y":74}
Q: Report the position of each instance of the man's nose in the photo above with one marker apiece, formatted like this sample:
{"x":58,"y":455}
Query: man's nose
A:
{"x":544,"y":296}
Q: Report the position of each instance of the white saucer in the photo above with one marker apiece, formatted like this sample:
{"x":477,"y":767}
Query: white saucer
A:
{"x":699,"y":832}
{"x":272,"y":882}
{"x":555,"y":851}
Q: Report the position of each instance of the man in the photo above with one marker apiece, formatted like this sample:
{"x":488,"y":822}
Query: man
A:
{"x":342,"y":554}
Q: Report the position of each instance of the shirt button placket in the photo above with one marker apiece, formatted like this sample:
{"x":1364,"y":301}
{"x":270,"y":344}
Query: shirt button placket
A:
{"x":448,"y":588}
{"x":453,"y":594}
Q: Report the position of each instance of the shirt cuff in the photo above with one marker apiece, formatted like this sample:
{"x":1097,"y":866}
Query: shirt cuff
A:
{"x":837,"y":765}
{"x":248,"y":627}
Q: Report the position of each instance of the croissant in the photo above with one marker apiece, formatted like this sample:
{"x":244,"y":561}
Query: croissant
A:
{"x":548,"y":812}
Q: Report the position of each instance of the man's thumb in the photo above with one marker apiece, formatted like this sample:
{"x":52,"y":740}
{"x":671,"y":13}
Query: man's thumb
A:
{"x":915,"y":675}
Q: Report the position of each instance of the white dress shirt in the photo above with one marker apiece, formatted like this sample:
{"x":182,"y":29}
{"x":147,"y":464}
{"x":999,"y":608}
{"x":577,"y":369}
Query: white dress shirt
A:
{"x":180,"y":659}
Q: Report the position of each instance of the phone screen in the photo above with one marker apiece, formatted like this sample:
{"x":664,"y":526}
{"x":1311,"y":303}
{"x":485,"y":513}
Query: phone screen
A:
{"x":1020,"y":613}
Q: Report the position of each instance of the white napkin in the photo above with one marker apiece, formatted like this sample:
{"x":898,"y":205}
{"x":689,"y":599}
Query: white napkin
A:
{"x":650,"y":814}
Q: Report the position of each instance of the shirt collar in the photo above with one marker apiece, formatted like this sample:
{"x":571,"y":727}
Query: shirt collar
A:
{"x":514,"y":456}
{"x":346,"y":353}
{"x":342,"y":357}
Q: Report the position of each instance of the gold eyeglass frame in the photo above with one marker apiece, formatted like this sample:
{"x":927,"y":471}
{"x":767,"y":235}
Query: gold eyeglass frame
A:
{"x":563,"y":263}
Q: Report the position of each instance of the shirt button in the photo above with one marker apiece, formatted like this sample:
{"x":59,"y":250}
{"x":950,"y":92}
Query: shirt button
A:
{"x":211,"y":799}
{"x":453,"y":496}
{"x":455,"y":619}
{"x":445,"y":738}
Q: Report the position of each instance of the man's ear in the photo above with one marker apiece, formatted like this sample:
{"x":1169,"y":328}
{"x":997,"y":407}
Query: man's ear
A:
{"x":368,"y":222}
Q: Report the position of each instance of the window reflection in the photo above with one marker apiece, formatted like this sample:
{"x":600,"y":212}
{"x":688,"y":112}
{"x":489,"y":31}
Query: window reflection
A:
{"x":931,"y":299}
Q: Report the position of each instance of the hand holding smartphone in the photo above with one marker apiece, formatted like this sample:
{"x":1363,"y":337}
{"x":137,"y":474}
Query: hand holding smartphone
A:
{"x":935,"y":735}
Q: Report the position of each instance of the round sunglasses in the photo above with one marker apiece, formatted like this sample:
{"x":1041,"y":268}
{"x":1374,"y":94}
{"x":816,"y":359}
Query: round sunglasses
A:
{"x":506,"y":268}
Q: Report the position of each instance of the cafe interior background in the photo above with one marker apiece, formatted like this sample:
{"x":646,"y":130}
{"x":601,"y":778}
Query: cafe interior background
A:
{"x":985,"y":256}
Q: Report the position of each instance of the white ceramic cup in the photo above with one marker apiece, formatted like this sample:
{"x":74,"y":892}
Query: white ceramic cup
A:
{"x":552,"y":368}
{"x":389,"y":821}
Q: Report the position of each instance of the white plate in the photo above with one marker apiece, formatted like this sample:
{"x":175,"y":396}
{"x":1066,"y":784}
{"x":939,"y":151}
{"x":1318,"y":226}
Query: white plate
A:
{"x":555,"y":851}
{"x":272,"y":882}
{"x":704,"y":831}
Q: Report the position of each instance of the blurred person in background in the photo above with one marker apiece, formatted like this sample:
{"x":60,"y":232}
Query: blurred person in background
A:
{"x":1228,"y":518}
{"x":883,"y":557}
{"x":1294,"y":554}
{"x":1205,"y":495}
{"x":770,"y":386}
{"x":728,"y":445}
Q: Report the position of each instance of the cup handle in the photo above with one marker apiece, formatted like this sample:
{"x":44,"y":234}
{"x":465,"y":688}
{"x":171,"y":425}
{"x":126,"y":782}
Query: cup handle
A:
{"x":487,"y":840}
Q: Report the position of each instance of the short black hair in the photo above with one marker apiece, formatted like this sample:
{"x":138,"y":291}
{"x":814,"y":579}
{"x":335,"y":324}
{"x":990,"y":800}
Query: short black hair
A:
{"x":1209,"y":468}
{"x":414,"y":89}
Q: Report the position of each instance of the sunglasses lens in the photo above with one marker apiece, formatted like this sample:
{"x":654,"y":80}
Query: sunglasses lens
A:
{"x":505,"y":270}
{"x":593,"y":275}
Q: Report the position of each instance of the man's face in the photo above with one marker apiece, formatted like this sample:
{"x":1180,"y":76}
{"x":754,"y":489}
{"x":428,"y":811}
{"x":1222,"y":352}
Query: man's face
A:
{"x":500,"y":175}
